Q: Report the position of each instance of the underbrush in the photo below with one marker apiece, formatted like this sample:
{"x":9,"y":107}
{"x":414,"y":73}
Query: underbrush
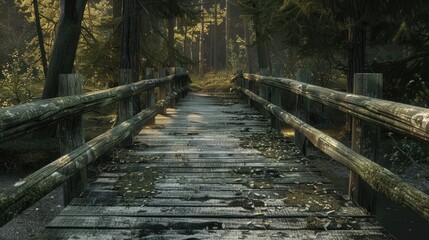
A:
{"x":211,"y":82}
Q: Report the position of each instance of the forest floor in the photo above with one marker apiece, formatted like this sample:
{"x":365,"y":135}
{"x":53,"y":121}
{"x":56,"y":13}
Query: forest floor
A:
{"x":23,"y":156}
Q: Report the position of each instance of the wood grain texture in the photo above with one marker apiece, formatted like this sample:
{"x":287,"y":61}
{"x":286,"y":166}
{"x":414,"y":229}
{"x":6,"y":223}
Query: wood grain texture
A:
{"x":206,"y":187}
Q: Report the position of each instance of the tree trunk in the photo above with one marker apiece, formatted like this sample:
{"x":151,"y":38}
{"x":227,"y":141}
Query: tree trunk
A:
{"x":201,"y":51}
{"x":130,"y":39}
{"x":247,"y":48}
{"x":40,"y":38}
{"x":214,"y":56}
{"x":185,"y":39}
{"x":226,"y":35}
{"x":63,"y":54}
{"x":357,"y":42}
{"x":356,"y":55}
{"x":171,"y":57}
{"x":116,"y":41}
{"x":262,"y":46}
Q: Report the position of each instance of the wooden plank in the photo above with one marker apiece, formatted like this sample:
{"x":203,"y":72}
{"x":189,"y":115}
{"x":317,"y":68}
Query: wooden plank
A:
{"x":119,"y":234}
{"x":275,"y":201}
{"x":118,"y":222}
{"x":201,"y":169}
{"x":198,"y":195}
{"x":276,"y":182}
{"x":219,"y":212}
{"x":273,"y":174}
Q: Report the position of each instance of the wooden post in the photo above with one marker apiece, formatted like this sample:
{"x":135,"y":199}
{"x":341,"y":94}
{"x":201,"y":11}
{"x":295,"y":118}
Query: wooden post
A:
{"x":164,"y":88}
{"x":276,"y":98}
{"x":365,"y":139}
{"x":251,"y":86}
{"x":179,"y":82}
{"x":264,"y":93}
{"x":302,"y":109}
{"x":72,"y":136}
{"x":150,"y":94}
{"x":172,"y":85}
{"x":125,"y":107}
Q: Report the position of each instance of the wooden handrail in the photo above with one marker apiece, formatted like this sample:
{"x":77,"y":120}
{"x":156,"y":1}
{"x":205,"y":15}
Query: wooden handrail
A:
{"x":376,"y":176}
{"x":32,"y":188}
{"x":25,"y":118}
{"x":407,"y":119}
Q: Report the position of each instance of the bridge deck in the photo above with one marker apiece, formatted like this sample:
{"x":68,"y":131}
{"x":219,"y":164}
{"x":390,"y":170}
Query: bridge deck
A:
{"x":203,"y":172}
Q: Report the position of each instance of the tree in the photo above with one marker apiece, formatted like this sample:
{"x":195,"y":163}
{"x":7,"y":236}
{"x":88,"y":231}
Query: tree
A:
{"x":63,"y":54}
{"x":201,"y":48}
{"x":259,"y":11}
{"x":40,"y":37}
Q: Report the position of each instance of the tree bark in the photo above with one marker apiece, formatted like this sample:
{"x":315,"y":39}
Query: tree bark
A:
{"x":63,"y":54}
{"x":356,"y":55}
{"x":214,"y":57}
{"x":171,"y":57}
{"x":247,"y":47}
{"x":262,"y":46}
{"x":357,"y":42}
{"x":201,"y":51}
{"x":40,"y":38}
{"x":130,"y":43}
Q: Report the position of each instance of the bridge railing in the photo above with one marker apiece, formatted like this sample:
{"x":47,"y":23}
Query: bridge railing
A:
{"x":407,"y":119}
{"x":29,"y":117}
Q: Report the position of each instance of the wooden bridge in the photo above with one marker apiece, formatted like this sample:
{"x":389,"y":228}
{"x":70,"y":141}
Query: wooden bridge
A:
{"x":196,"y":166}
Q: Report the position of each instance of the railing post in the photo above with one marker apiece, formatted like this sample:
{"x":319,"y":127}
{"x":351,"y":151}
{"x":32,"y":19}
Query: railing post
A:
{"x":172,"y":85}
{"x":276,"y":98}
{"x":150,"y":94}
{"x":365,"y":139}
{"x":180,"y":81}
{"x":72,"y":136}
{"x":302,"y":109}
{"x":164,"y":88}
{"x":263,"y":92}
{"x":125,"y":107}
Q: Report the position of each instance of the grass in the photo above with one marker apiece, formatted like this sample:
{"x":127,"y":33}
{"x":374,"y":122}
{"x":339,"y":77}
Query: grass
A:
{"x":211,"y":82}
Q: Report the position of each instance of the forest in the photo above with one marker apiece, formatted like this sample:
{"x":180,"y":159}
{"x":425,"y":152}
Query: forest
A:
{"x":335,"y":39}
{"x":213,"y":40}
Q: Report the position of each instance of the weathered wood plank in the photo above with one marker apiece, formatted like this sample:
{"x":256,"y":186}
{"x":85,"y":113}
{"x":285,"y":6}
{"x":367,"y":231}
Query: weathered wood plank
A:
{"x":202,"y":195}
{"x":115,"y":222}
{"x":215,"y":212}
{"x":242,"y":198}
{"x":110,"y":234}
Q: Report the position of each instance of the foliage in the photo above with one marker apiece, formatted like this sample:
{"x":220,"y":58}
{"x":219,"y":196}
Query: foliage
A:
{"x":406,"y":152}
{"x":236,"y":54}
{"x":13,"y":29}
{"x":397,"y":35}
{"x":18,"y":81}
{"x":49,"y":16}
{"x":211,"y":82}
